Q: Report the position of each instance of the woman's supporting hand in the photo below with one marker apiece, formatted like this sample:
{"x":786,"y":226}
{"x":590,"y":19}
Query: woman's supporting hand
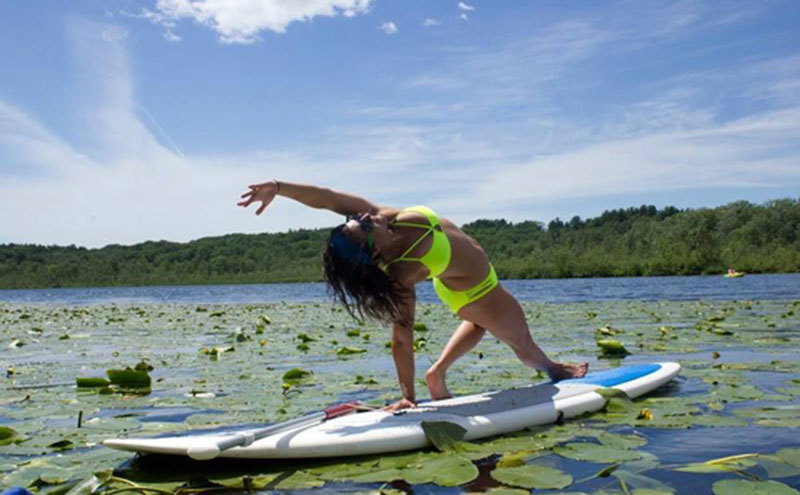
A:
{"x":401,"y":404}
{"x":260,"y":192}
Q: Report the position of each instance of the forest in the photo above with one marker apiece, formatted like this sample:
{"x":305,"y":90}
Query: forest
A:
{"x":636,"y":241}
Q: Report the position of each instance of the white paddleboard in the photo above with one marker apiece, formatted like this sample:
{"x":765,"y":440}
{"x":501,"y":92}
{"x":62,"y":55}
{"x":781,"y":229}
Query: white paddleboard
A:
{"x":379,"y":432}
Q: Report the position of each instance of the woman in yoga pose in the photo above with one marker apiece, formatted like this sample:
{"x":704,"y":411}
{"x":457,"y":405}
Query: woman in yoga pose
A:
{"x":373,"y":261}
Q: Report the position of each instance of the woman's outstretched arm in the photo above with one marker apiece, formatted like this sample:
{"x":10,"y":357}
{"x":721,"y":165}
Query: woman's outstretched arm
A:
{"x":313,"y":196}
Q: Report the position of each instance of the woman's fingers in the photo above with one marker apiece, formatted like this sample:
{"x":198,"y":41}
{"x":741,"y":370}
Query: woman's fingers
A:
{"x":256,"y":193}
{"x":401,"y":404}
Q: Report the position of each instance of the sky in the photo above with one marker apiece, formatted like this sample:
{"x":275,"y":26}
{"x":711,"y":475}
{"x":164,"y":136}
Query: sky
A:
{"x":124,"y":121}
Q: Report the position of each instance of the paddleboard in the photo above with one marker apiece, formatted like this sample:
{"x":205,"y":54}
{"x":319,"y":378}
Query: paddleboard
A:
{"x":380,"y":432}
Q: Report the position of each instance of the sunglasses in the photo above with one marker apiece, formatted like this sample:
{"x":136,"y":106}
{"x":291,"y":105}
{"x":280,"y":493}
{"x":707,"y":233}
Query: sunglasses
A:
{"x":366,"y":225}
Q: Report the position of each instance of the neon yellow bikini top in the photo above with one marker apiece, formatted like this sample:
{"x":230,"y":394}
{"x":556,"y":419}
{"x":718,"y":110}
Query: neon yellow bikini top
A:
{"x":437,"y":259}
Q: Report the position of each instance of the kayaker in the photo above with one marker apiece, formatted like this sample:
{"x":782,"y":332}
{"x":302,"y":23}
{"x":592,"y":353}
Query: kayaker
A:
{"x":373,"y":261}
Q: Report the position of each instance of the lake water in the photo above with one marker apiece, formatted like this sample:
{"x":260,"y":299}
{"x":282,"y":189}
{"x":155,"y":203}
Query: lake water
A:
{"x":750,"y":287}
{"x":738,"y":392}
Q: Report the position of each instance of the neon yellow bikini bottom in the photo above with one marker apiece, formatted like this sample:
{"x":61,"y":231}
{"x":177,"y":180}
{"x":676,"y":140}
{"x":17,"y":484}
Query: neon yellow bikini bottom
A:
{"x":457,"y":299}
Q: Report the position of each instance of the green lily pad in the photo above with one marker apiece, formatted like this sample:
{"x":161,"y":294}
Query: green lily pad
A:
{"x":777,"y":467}
{"x":612,"y":348}
{"x":129,"y":378}
{"x":775,"y":416}
{"x":443,"y":469}
{"x":503,"y":490}
{"x":745,"y":487}
{"x":617,"y":401}
{"x":357,"y":472}
{"x":296,"y":374}
{"x":348,"y":350}
{"x":585,"y":451}
{"x":62,"y":445}
{"x":532,"y":476}
{"x":7,"y":435}
{"x":298,"y":480}
{"x":92,"y":483}
{"x":641,"y":484}
{"x":92,"y":382}
{"x":304,"y":337}
{"x":622,"y":441}
{"x":723,"y":464}
{"x":790,"y":456}
{"x":443,"y":434}
{"x":38,"y":473}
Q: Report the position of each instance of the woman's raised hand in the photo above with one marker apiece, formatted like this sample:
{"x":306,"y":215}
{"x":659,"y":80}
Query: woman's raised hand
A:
{"x":260,"y":192}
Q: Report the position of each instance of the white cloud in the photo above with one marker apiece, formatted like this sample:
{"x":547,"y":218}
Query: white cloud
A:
{"x":129,"y":186}
{"x":464,"y":16}
{"x":241,"y":21}
{"x":465,"y":6}
{"x":388,"y":27}
{"x":171,"y":37}
{"x":429,"y":22}
{"x":757,"y":151}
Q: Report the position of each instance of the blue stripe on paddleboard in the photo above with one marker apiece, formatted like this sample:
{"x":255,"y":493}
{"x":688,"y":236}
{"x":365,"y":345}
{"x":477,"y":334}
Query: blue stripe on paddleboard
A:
{"x":616,"y":376}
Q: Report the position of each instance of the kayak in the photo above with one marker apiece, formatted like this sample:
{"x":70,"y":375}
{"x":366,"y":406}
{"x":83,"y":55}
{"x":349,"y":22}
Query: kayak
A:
{"x":734,"y":275}
{"x":380,"y":432}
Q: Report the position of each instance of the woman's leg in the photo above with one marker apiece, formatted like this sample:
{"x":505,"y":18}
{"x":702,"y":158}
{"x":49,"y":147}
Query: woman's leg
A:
{"x":501,"y":314}
{"x":466,"y":336}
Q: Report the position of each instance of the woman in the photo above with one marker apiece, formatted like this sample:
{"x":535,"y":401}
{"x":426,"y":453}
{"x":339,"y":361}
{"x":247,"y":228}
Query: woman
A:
{"x":373,"y":262}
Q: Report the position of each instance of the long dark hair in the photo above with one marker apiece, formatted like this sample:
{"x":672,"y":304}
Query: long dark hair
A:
{"x":357,"y":282}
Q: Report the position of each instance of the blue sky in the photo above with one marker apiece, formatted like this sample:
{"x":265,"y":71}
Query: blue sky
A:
{"x":123,"y":121}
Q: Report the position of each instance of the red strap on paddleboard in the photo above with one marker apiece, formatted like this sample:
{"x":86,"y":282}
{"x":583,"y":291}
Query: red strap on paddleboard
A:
{"x":340,"y":409}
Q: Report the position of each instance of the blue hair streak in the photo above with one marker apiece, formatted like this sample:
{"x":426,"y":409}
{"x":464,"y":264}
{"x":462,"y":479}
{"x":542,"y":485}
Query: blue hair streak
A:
{"x":349,"y":251}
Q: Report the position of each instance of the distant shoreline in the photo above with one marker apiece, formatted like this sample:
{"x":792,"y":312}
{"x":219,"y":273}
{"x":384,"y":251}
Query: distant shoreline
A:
{"x":632,"y":242}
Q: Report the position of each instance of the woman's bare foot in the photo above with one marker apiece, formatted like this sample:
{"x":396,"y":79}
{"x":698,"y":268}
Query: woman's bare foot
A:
{"x":562,"y":371}
{"x":436,"y":385}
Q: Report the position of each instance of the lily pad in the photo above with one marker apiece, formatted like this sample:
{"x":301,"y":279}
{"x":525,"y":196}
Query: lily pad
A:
{"x":641,"y":484}
{"x":532,"y":476}
{"x":622,"y":441}
{"x":745,"y":487}
{"x":92,"y":382}
{"x":723,"y":464}
{"x":348,"y":350}
{"x":612,"y":348}
{"x":296,"y":374}
{"x":585,"y":451}
{"x":7,"y":435}
{"x":444,"y":435}
{"x":443,"y":469}
{"x":129,"y":378}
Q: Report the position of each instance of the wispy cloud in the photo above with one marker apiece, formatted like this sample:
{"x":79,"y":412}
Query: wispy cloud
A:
{"x":429,"y":22}
{"x":129,"y":185}
{"x":465,"y":6}
{"x":756,"y":151}
{"x":241,"y":21}
{"x":171,"y":37}
{"x":388,"y":27}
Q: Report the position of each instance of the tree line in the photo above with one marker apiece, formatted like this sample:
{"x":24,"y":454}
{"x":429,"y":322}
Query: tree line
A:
{"x":637,"y":241}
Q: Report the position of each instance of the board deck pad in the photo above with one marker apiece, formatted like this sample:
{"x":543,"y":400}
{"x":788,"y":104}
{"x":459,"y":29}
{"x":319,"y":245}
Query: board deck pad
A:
{"x":377,"y":432}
